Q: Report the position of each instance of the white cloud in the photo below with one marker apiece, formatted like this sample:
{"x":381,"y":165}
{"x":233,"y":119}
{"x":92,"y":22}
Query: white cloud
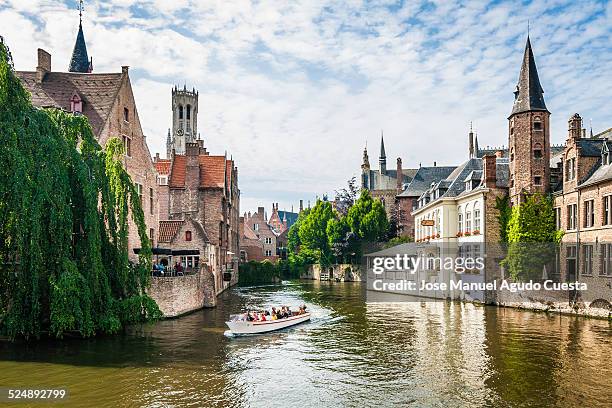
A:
{"x":293,"y":89}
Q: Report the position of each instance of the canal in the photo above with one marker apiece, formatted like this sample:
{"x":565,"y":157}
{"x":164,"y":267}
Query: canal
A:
{"x":351,"y":354}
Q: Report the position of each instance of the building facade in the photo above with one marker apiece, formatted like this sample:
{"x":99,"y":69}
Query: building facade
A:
{"x":107,"y":100}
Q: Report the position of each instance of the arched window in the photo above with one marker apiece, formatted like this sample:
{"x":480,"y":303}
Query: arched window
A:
{"x":537,"y":123}
{"x":537,"y":151}
{"x":76,"y":104}
{"x":476,"y":218}
{"x":459,"y":220}
{"x":180,"y":111}
{"x":512,"y":154}
{"x":188,"y":112}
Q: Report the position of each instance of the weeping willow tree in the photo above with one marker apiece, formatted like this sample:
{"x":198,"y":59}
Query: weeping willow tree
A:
{"x":65,"y":205}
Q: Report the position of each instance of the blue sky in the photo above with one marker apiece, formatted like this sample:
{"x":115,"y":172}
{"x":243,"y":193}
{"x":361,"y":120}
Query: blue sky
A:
{"x":293,"y":90}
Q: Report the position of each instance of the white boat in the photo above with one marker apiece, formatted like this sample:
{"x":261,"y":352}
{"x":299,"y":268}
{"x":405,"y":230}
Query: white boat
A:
{"x":239,"y":326}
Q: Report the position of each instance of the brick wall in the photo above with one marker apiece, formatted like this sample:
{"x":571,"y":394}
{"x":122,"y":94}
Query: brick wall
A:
{"x":183,"y":294}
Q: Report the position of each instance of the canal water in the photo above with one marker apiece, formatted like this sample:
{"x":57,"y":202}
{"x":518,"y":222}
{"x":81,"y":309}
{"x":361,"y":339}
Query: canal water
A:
{"x":352,"y":354}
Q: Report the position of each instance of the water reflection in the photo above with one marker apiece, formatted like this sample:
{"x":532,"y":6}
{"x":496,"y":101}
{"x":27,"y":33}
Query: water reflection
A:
{"x":352,"y":353}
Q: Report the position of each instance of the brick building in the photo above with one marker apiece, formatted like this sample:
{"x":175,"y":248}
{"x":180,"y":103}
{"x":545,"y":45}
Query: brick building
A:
{"x":108,"y":102}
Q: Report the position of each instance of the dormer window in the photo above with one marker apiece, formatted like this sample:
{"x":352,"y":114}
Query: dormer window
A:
{"x":76,"y":104}
{"x":468,"y":185}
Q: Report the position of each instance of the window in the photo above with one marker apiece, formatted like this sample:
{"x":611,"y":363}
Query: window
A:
{"x":188,"y":112}
{"x":558,"y":218}
{"x":256,"y":227}
{"x":162,"y":180}
{"x":268,"y":252}
{"x":537,"y":180}
{"x":151,"y":201}
{"x":127,"y":145}
{"x":537,"y":125}
{"x":606,"y":213}
{"x":468,"y":221}
{"x":476,"y":219}
{"x":512,"y":154}
{"x":139,"y":191}
{"x":570,"y":168}
{"x":589,"y":213}
{"x":187,"y":235}
{"x":459,"y":221}
{"x":571,"y":216}
{"x":180,"y":111}
{"x":152,"y":236}
{"x":76,"y":104}
{"x":268,"y":240}
{"x":126,"y":114}
{"x":587,"y":252}
{"x":537,"y":151}
{"x":606,"y":260}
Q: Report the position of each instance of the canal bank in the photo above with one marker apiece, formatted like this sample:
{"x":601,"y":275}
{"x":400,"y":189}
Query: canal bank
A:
{"x":353,"y":353}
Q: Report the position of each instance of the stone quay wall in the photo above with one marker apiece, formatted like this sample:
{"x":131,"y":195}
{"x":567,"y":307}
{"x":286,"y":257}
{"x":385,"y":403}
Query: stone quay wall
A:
{"x":336,"y":272}
{"x":180,"y":295}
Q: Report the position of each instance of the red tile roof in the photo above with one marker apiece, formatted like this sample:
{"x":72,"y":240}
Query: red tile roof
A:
{"x":177,"y":173}
{"x":163,"y":166}
{"x":212,"y":171}
{"x":168,"y":229}
{"x":98,"y":92}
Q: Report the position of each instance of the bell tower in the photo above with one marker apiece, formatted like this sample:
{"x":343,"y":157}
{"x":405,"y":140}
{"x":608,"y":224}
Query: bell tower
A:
{"x":184,"y":118}
{"x":529,"y":134}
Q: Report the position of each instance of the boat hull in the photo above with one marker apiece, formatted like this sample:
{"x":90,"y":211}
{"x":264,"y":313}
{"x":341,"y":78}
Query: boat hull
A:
{"x":246,"y":327}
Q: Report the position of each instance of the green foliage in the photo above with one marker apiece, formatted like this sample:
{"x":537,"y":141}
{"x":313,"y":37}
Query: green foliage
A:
{"x":367,"y":218}
{"x":532,"y":238}
{"x":64,"y":205}
{"x":323,"y":235}
{"x":502,"y":204}
{"x":398,"y":241}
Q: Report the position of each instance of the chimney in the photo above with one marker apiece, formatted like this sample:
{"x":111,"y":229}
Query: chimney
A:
{"x":260,"y":211}
{"x":399,"y":175}
{"x":489,"y":169}
{"x":499,"y":154}
{"x":301,"y":205}
{"x":434,"y":164}
{"x":192,"y":149}
{"x":125,"y":69}
{"x":156,"y":157}
{"x":44,"y":65}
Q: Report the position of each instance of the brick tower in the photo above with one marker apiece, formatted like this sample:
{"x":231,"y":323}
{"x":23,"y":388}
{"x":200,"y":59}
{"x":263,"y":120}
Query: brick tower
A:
{"x":529,"y":135}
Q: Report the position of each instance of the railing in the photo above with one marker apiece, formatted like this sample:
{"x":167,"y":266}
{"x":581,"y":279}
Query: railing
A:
{"x":172,"y":272}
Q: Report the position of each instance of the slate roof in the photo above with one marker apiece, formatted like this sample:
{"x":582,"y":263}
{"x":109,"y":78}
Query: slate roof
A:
{"x":97,"y":91}
{"x":291,"y":217}
{"x":529,"y":95}
{"x":80,"y":60}
{"x":590,"y":147}
{"x":423,"y":178}
{"x":598,"y":174}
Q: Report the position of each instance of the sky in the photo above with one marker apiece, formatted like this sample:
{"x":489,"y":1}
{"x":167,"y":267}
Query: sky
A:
{"x":294,"y":90}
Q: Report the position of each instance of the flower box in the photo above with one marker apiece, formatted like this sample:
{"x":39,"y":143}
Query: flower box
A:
{"x":459,"y":234}
{"x":467,"y":233}
{"x":476,"y":232}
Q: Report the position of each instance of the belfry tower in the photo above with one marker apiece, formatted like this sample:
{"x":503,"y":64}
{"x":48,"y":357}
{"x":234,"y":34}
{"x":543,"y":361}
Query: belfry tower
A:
{"x":184,"y":119}
{"x":528,"y":134}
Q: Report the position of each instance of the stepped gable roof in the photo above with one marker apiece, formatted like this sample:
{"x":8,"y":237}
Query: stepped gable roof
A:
{"x":168,"y":230}
{"x":212,"y":171}
{"x":423,"y":178}
{"x":529,"y":95}
{"x":163,"y":166}
{"x":97,"y":91}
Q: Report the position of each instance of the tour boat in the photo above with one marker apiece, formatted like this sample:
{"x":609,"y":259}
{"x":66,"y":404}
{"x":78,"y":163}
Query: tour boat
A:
{"x":238,"y":326}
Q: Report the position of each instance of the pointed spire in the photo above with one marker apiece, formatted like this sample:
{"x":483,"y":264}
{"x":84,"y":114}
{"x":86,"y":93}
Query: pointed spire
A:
{"x":476,"y":146}
{"x":80,"y":62}
{"x":382,"y":160}
{"x":591,"y":123}
{"x":529,"y":95}
{"x":471,"y":150}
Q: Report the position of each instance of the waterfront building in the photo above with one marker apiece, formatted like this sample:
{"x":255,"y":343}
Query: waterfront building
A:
{"x":108,"y":102}
{"x":385,"y":184}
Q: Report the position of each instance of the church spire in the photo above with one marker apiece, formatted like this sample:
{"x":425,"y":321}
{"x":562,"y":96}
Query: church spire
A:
{"x":529,"y":95}
{"x":382,"y":160}
{"x":471,"y":143}
{"x":80,"y":61}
